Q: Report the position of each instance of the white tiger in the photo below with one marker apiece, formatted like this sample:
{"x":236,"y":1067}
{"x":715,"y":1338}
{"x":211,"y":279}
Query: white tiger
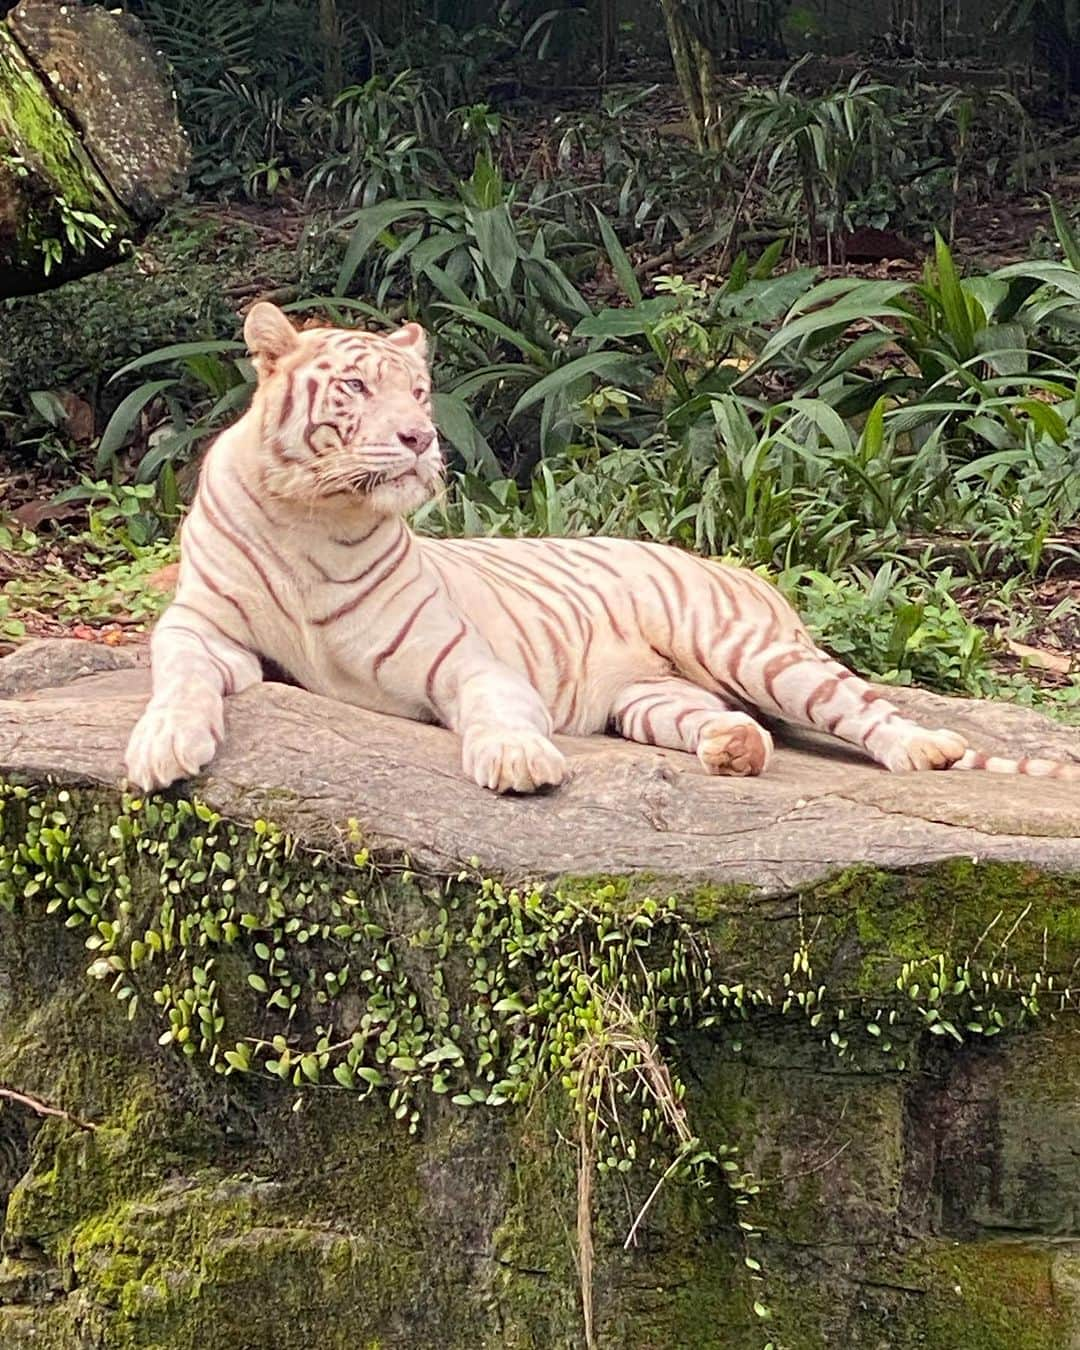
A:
{"x":296,"y":551}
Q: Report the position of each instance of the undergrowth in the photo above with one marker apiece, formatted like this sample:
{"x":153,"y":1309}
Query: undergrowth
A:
{"x":873,"y":444}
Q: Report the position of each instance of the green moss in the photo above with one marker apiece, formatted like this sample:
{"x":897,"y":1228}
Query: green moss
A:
{"x":214,"y":1264}
{"x":708,"y":902}
{"x":30,"y":119}
{"x":616,"y":890}
{"x":37,"y":134}
{"x":536,"y":1280}
{"x":989,"y":1296}
{"x":205,"y":1210}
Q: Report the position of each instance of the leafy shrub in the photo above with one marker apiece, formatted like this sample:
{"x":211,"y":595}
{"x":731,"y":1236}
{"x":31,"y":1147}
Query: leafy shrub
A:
{"x":897,"y":628}
{"x":737,"y":417}
{"x":102,"y":572}
{"x":175,"y":290}
{"x":873,"y":153}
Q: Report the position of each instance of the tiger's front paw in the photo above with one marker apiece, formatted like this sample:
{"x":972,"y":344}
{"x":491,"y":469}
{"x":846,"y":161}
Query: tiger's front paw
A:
{"x":512,"y":761}
{"x":916,"y":748}
{"x":167,"y":744}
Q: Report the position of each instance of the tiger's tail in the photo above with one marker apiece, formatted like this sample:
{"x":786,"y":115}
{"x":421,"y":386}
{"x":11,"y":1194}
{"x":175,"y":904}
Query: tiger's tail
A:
{"x":1034,"y":768}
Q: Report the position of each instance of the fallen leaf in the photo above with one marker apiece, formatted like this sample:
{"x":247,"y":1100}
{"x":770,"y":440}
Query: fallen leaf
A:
{"x":1040,"y":658}
{"x":164,"y":579}
{"x":78,"y":418}
{"x":32,"y":514}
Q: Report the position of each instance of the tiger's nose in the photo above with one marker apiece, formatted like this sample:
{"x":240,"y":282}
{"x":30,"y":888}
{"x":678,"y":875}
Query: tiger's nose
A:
{"x":417,"y":439}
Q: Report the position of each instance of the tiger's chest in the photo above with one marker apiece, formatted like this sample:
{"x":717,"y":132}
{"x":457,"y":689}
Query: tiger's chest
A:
{"x":303,"y":628}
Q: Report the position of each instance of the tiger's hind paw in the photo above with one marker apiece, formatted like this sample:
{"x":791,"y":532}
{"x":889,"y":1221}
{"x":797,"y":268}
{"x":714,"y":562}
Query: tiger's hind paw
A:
{"x":512,"y":761}
{"x":918,"y":749}
{"x":736,"y":746}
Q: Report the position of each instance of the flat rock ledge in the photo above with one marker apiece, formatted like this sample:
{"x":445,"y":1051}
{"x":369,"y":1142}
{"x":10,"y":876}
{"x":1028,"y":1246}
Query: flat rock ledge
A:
{"x":313,"y":765}
{"x":918,"y":1191}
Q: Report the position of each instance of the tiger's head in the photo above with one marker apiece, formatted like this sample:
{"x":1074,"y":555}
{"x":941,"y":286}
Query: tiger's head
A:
{"x":343,"y":413}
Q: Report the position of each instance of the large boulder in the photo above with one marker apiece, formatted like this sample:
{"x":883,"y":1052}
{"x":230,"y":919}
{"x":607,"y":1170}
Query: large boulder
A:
{"x":310,"y":761}
{"x":265,"y":1088}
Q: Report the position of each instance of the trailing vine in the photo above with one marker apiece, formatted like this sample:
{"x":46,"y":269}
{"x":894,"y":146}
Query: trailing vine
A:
{"x":331,"y":972}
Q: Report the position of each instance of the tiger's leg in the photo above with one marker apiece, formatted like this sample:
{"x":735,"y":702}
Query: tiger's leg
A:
{"x":805,"y":686}
{"x":682,"y":716}
{"x":194,"y":664}
{"x":504,"y":725}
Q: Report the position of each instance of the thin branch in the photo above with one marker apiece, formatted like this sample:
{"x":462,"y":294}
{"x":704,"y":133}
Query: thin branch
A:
{"x":41,"y":1108}
{"x":673,"y":1165}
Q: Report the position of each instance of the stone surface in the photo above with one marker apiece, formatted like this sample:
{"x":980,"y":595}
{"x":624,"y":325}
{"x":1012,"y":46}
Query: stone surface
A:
{"x":63,"y":661}
{"x":106,"y":76}
{"x":626,"y":808}
{"x":922,"y":1203}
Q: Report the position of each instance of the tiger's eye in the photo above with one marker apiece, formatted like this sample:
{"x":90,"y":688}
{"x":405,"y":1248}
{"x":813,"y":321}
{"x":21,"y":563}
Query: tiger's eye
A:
{"x":357,"y":386}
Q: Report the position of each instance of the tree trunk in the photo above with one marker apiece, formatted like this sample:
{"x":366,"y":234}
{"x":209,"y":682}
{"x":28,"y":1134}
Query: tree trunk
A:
{"x":693,"y":61}
{"x":90,"y":146}
{"x":1056,"y":46}
{"x":330,"y":37}
{"x":609,"y":43}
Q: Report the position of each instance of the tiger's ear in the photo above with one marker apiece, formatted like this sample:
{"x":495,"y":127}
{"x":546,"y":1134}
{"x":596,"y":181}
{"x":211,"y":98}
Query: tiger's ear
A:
{"x":411,"y":338}
{"x":269,"y":335}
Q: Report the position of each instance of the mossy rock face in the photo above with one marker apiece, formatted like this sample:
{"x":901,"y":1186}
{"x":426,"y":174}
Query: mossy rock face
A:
{"x":90,"y":146}
{"x":394,"y":1159}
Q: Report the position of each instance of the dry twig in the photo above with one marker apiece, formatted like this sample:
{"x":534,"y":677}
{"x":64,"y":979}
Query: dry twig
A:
{"x":41,"y":1108}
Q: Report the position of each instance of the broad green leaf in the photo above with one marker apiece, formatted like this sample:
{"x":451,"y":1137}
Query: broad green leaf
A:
{"x":826,"y":420}
{"x":953,"y":301}
{"x":620,"y":263}
{"x":978,"y":468}
{"x":872,"y":439}
{"x":124,"y":418}
{"x":447,"y":287}
{"x":1047,"y":419}
{"x":991,"y":293}
{"x":763,"y":268}
{"x":337,"y":307}
{"x":555,"y":286}
{"x":471,"y":384}
{"x":1047,"y":273}
{"x":861,"y":294}
{"x":990,"y":430}
{"x":760,"y":300}
{"x":1004,"y":348}
{"x":455,"y":421}
{"x":368,"y":223}
{"x":625,"y":322}
{"x":497,"y":242}
{"x":49,"y":406}
{"x":862,"y":347}
{"x":434,"y":248}
{"x":526,"y":346}
{"x":1070,"y":245}
{"x":176,"y":352}
{"x":612,"y":365}
{"x":837,"y":317}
